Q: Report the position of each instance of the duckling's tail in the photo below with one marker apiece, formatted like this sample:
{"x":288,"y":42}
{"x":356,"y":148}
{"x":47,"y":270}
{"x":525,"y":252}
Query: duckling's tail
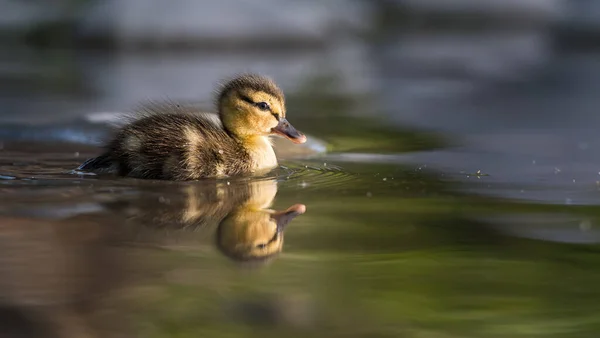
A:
{"x":100,"y":163}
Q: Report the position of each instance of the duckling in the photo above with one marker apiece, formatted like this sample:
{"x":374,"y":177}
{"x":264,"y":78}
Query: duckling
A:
{"x":170,"y":143}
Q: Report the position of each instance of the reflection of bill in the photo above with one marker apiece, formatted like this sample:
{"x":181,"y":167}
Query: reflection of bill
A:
{"x":237,"y":215}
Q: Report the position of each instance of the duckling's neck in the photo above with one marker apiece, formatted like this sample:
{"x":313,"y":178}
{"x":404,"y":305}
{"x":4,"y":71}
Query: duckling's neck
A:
{"x":261,"y":153}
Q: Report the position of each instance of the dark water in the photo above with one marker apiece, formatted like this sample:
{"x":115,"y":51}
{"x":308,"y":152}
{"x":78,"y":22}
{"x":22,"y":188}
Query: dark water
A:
{"x":438,"y":226}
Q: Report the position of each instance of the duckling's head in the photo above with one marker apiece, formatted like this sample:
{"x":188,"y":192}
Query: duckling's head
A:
{"x":249,"y":235}
{"x":252,"y":105}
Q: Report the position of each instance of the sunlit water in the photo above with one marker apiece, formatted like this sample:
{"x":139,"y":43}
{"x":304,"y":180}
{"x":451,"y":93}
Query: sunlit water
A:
{"x":354,"y":242}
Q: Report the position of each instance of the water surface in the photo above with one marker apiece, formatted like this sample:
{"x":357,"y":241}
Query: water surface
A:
{"x":388,"y":228}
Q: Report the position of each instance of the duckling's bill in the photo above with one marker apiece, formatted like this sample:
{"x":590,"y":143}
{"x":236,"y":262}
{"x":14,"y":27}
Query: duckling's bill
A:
{"x":285,"y":129}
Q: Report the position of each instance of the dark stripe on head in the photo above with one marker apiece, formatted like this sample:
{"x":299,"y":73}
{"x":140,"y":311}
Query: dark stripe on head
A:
{"x":253,"y":82}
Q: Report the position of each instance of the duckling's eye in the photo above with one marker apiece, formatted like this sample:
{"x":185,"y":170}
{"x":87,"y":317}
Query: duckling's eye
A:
{"x":262,"y":105}
{"x":261,"y":246}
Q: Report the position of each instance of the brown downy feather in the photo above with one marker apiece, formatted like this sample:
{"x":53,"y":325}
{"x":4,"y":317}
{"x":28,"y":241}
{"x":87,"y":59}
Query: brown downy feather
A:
{"x":175,"y":146}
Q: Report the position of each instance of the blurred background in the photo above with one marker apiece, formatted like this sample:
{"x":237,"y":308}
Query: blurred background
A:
{"x":457,"y":196}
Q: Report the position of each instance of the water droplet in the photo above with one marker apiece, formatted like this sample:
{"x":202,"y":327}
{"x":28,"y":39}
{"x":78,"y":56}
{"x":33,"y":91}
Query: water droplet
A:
{"x":76,"y":154}
{"x":369,"y":194}
{"x":385,"y":178}
{"x":533,"y":162}
{"x":324,"y":164}
{"x":556,"y":170}
{"x":573,"y":180}
{"x":228,"y":183}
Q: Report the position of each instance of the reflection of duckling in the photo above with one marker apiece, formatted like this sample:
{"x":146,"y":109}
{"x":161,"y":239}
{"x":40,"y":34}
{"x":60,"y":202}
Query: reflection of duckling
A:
{"x":170,"y":144}
{"x":248,"y":233}
{"x":237,"y":215}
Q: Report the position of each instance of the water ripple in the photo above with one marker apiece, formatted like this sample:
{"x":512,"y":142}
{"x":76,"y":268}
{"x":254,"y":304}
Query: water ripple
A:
{"x":313,"y":176}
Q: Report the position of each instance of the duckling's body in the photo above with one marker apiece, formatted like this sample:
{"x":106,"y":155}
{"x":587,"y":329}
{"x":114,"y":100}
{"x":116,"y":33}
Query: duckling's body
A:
{"x":183,"y":146}
{"x":172,"y":143}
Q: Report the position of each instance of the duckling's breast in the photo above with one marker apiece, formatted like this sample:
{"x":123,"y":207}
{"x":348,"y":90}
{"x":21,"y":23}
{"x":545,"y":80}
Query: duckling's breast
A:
{"x":262,"y":154}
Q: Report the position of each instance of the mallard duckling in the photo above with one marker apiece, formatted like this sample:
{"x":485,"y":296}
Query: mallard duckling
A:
{"x":170,"y":143}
